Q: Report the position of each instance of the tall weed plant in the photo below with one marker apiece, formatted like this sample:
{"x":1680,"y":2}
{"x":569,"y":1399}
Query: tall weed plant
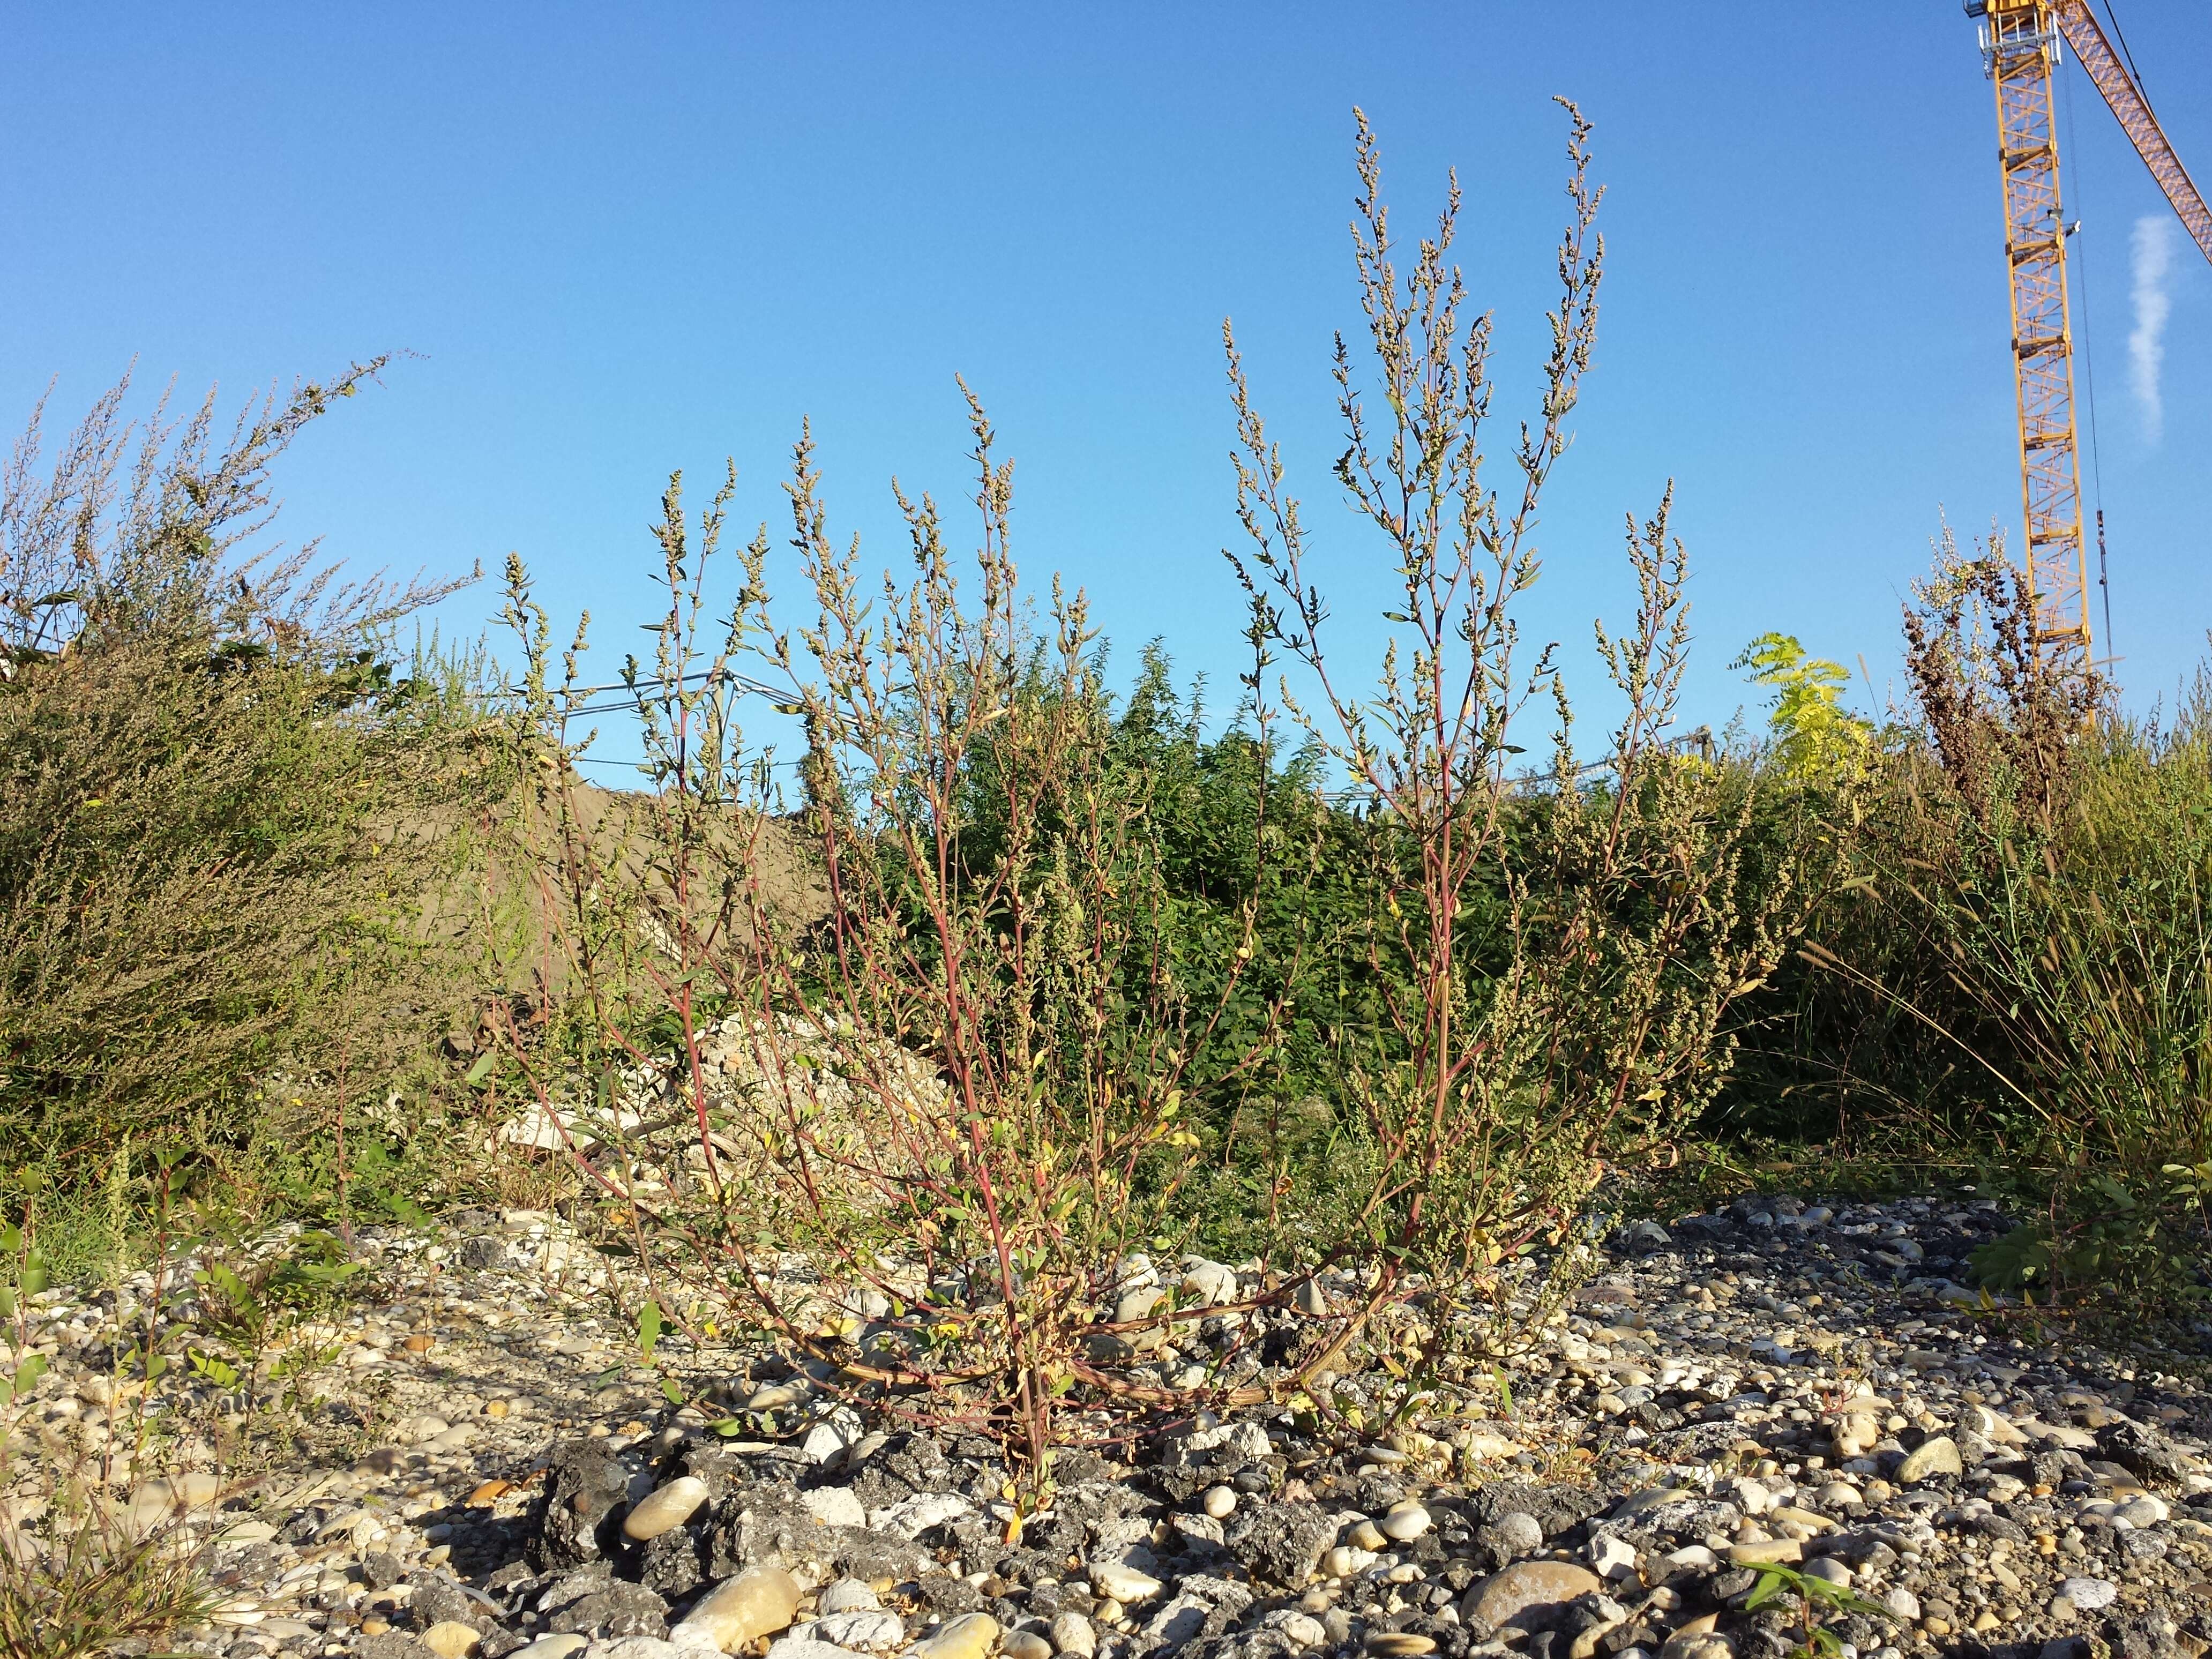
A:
{"x":929,"y":1130}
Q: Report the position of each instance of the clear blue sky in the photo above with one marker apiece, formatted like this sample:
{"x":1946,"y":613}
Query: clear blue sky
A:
{"x":628,"y":239}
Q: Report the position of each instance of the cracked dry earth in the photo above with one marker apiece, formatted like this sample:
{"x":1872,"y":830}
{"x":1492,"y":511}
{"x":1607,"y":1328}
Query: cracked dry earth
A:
{"x":1773,"y":1383}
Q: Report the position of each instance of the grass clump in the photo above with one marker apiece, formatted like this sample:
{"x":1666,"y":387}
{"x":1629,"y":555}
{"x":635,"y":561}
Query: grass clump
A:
{"x":2014,"y":984}
{"x":84,"y":1581}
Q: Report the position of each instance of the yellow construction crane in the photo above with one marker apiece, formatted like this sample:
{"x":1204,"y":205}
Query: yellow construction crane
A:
{"x":2021,"y":41}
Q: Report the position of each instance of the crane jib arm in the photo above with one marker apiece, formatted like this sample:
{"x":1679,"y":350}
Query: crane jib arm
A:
{"x":2093,"y":50}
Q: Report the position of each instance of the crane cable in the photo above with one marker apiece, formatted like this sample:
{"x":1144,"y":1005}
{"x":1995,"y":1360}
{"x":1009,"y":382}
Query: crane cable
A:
{"x":2089,"y":359}
{"x":2121,"y":35}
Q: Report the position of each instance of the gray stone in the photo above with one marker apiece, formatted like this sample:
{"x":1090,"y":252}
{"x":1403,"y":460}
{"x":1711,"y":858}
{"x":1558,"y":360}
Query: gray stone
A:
{"x":582,"y":1484}
{"x":1937,"y":1456}
{"x":1514,"y":1534}
{"x":1281,"y":1543}
{"x":620,"y":1609}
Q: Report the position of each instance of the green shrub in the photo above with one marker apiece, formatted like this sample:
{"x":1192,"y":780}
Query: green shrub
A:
{"x":220,"y":814}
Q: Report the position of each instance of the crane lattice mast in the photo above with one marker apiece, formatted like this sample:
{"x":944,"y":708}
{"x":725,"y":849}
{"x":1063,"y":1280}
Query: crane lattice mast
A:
{"x":2020,"y":41}
{"x":2019,"y":46}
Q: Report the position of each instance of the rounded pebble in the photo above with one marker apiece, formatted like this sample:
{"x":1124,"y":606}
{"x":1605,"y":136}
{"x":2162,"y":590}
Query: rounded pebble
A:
{"x":759,"y":1601}
{"x":1073,"y":1635}
{"x":1403,"y":1525}
{"x":666,"y":1508}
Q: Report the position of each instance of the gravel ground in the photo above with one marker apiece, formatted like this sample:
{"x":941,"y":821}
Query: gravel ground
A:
{"x":490,"y":1468}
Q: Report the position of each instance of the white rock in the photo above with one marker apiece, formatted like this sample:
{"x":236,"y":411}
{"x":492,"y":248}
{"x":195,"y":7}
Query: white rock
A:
{"x":910,"y":1517}
{"x":1612,"y":1557}
{"x":835,"y":1506}
{"x":1136,"y":1303}
{"x":1302,"y":1628}
{"x":1123,"y":1583}
{"x":552,"y":1647}
{"x":1220,"y":1502}
{"x":866,"y":1630}
{"x":2089,"y":1594}
{"x":2144,"y":1511}
{"x":848,"y":1596}
{"x":827,"y":1442}
{"x":1343,"y":1561}
{"x":807,"y":1647}
{"x":150,"y":1505}
{"x":1751,"y":1496}
{"x":1213,"y":1282}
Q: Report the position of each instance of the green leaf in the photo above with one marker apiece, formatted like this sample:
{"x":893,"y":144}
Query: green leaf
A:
{"x":671,"y":1392}
{"x":231,"y":1287}
{"x":34,"y":1274}
{"x":29,"y":1373}
{"x":1771,"y":1586}
{"x":481,"y":1070}
{"x":648,"y":1329}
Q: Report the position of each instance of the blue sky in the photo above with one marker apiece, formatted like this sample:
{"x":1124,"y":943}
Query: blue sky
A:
{"x":628,"y":239}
